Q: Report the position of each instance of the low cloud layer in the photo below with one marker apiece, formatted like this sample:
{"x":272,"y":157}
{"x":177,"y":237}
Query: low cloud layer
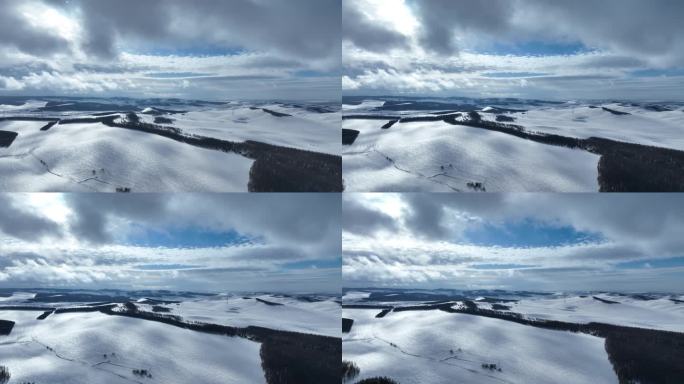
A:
{"x":551,"y":50}
{"x":244,"y":48}
{"x":626,"y":242}
{"x":206,"y":242}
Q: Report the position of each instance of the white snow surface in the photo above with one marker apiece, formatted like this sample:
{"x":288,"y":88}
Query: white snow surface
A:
{"x":71,"y":348}
{"x":119,"y":158}
{"x":642,"y":126}
{"x":414,"y":347}
{"x":661,"y":313}
{"x":500,"y":161}
{"x":322,"y":318}
{"x":318,"y":132}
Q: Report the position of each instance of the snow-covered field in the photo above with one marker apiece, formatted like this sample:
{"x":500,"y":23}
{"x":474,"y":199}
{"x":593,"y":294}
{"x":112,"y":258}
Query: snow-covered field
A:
{"x":95,"y":347}
{"x":97,"y":157}
{"x":436,"y":156}
{"x":661,"y":313}
{"x":321,"y":317}
{"x":642,"y":126}
{"x":416,"y":347}
{"x":71,"y":349}
{"x":318,"y":132}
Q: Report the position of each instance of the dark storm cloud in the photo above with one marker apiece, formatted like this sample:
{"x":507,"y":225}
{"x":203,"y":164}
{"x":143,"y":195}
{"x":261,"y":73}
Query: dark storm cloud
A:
{"x":301,"y":28}
{"x":441,"y":18}
{"x":306,"y":220}
{"x":365,"y":33}
{"x":649,"y":224}
{"x":298,"y":224}
{"x":359,"y":219}
{"x":646,"y":27}
{"x":635,"y":28}
{"x":93,"y":211}
{"x":18,"y":33}
{"x":23,"y":224}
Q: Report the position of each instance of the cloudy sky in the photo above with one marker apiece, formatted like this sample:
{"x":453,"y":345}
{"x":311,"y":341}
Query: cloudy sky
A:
{"x":199,"y":242}
{"x":543,"y":242}
{"x":581,"y":49}
{"x":206,"y":49}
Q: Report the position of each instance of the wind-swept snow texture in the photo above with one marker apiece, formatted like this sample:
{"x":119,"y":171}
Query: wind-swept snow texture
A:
{"x":627,"y":123}
{"x":87,"y":348}
{"x":438,"y":157}
{"x":319,"y":317}
{"x":55,"y":155}
{"x":660,"y":313}
{"x":437,"y":347}
{"x":95,"y":157}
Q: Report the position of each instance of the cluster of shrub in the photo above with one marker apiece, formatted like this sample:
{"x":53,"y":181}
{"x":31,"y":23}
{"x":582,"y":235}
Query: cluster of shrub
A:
{"x":142,"y":373}
{"x":4,"y":374}
{"x":491,"y":367}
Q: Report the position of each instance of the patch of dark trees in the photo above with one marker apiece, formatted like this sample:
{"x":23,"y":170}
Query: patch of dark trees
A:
{"x":347,"y":325}
{"x":5,"y":374}
{"x":505,"y":119}
{"x":6,"y":327}
{"x":501,"y":307}
{"x":144,"y":373}
{"x":349,"y":136}
{"x":349,"y":370}
{"x":281,"y":169}
{"x":389,"y":124}
{"x":163,"y":120}
{"x":267,"y":302}
{"x":605,"y":301}
{"x":44,"y":315}
{"x":676,"y":301}
{"x":377,"y":380}
{"x":49,"y":125}
{"x":383,"y":313}
{"x":318,"y":109}
{"x":657,"y":108}
{"x":160,"y":111}
{"x":7,"y":138}
{"x":614,"y":112}
{"x":159,"y":308}
{"x":275,"y":113}
{"x":290,"y":357}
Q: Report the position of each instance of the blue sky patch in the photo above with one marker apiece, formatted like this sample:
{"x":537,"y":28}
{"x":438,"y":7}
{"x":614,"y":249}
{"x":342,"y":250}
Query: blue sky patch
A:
{"x":528,"y":234}
{"x":671,"y":262}
{"x":165,"y":267}
{"x":187,"y":238}
{"x":306,"y":264}
{"x":501,"y":266}
{"x":536,"y":48}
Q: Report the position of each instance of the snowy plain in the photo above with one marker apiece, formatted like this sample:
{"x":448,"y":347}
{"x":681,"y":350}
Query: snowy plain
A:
{"x":436,"y":347}
{"x":439,"y":157}
{"x":71,"y":349}
{"x":92,"y":156}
